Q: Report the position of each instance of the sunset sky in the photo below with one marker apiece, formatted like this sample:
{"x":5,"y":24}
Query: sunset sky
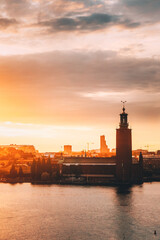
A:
{"x":65,"y":66}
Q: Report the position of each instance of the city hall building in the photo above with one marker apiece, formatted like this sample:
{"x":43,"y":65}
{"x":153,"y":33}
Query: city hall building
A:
{"x":118,"y":169}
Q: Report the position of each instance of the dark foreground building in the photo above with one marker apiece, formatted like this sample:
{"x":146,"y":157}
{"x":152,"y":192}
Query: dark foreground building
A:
{"x":126,"y":171}
{"x":111,"y":170}
{"x":124,"y":150}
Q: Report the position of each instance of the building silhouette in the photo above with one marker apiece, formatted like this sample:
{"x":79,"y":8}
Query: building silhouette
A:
{"x":103,"y":146}
{"x":123,"y":150}
{"x":117,"y":169}
{"x":68,"y":149}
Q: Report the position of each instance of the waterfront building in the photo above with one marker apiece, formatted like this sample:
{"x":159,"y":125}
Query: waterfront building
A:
{"x":68,"y":149}
{"x":24,"y":148}
{"x":123,"y":150}
{"x":103,"y":146}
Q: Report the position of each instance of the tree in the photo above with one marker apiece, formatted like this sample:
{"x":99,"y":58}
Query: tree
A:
{"x":45,"y":176}
{"x":49,"y":166}
{"x":13,"y":172}
{"x":39,"y":169}
{"x":20,"y":172}
{"x":43,"y":165}
{"x":33,"y":169}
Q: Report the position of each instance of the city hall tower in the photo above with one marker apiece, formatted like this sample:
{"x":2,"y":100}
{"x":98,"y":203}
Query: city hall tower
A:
{"x":123,"y":150}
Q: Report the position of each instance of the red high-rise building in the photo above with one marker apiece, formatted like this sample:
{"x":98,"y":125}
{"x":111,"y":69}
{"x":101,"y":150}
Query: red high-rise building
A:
{"x":103,"y":146}
{"x":68,"y":149}
{"x":123,"y":150}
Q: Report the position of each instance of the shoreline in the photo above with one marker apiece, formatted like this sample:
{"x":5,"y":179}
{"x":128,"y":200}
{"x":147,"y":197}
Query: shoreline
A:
{"x":76,"y":183}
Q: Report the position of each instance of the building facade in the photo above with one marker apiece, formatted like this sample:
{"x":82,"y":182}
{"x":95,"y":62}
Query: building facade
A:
{"x":103,"y":146}
{"x":117,"y":169}
{"x":123,"y":150}
{"x":68,"y":149}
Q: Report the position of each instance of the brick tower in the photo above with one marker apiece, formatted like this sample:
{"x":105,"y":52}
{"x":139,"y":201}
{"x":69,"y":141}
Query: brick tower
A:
{"x":123,"y":150}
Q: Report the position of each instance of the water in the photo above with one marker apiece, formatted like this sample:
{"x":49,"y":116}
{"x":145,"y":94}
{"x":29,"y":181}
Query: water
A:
{"x":35,"y":212}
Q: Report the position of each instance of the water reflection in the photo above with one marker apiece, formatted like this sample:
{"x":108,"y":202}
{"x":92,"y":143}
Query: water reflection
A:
{"x":124,"y":221}
{"x":123,"y":190}
{"x":77,"y":212}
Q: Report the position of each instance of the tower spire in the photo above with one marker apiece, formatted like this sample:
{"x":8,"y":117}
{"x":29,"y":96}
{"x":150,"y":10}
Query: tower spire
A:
{"x":123,"y":102}
{"x":123,"y":117}
{"x":123,"y":149}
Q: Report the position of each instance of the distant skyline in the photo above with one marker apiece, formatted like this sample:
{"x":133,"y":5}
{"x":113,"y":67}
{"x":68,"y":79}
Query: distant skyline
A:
{"x":65,"y":66}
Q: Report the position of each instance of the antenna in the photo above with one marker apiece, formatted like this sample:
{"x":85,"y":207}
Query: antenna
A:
{"x":123,"y":102}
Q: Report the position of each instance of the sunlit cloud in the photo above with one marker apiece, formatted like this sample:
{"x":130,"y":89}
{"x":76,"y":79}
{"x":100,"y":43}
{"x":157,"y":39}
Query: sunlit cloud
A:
{"x":67,"y":64}
{"x":29,"y":26}
{"x":134,"y":96}
{"x":11,"y":129}
{"x":45,"y":137}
